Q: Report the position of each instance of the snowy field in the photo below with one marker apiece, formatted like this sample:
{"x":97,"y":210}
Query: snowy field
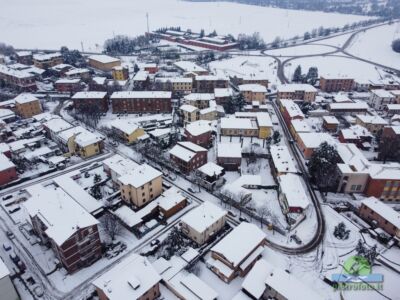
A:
{"x":375,"y":45}
{"x":246,"y":65}
{"x":337,"y":66}
{"x":301,"y":50}
{"x":51,"y":24}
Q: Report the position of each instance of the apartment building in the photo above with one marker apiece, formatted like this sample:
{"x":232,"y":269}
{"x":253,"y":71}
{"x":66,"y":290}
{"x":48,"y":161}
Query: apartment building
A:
{"x":380,"y":215}
{"x":68,"y":85}
{"x":292,"y":91}
{"x":27,"y":105}
{"x":176,"y":84}
{"x":127,"y":131}
{"x":330,"y":123}
{"x":239,"y":127}
{"x":24,"y":57}
{"x":223,"y":96}
{"x":373,"y":123}
{"x":120,"y":73}
{"x":20,"y":80}
{"x":199,"y":100}
{"x":66,"y":226}
{"x":141,"y":102}
{"x":290,"y":111}
{"x":189,"y":113}
{"x":228,"y":262}
{"x":207,"y":83}
{"x":263,"y":120}
{"x":352,"y":108}
{"x":203,"y":223}
{"x":45,"y":61}
{"x":140,"y":186}
{"x":334,"y":84}
{"x":190,"y":67}
{"x":379,"y":98}
{"x":8,"y":171}
{"x":132,"y":278}
{"x":199,"y":133}
{"x":103,"y":62}
{"x":229,"y":156}
{"x":90,"y":101}
{"x":188,"y":156}
{"x":253,"y":92}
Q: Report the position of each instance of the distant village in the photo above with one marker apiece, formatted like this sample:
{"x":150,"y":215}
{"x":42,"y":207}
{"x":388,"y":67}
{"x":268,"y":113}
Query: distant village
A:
{"x":151,"y":176}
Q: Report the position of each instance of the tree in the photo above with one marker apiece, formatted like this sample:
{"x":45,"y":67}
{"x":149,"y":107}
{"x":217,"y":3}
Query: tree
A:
{"x":276,"y":137}
{"x":174,"y":243}
{"x":396,"y":45}
{"x":360,"y":248}
{"x":276,"y":42}
{"x":201,"y":33}
{"x":111,"y":225}
{"x":263,"y":212}
{"x":322,"y":166}
{"x":72,"y":57}
{"x":312,"y":75}
{"x":341,"y":232}
{"x":96,"y":192}
{"x":307,"y":36}
{"x":96,"y":178}
{"x":136,"y":68}
{"x":297,"y":76}
{"x":389,"y":148}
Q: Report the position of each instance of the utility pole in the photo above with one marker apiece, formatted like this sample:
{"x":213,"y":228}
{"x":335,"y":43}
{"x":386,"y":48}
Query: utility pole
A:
{"x":83,"y":50}
{"x":147,"y":18}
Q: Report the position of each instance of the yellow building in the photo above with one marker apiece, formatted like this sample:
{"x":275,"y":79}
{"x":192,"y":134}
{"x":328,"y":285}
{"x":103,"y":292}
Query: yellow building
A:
{"x":176,"y":84}
{"x":208,"y":114}
{"x":142,"y":185}
{"x":81,"y":142}
{"x":27,"y":105}
{"x":374,"y":124}
{"x":129,"y":132}
{"x":103,"y":62}
{"x":199,"y":100}
{"x":120,"y":73}
{"x":190,"y":113}
{"x":260,"y":120}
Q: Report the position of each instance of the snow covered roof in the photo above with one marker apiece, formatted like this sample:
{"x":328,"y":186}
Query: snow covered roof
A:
{"x":239,"y":243}
{"x":293,"y":87}
{"x":175,"y":79}
{"x":3,"y":270}
{"x":350,"y":105}
{"x":77,"y":71}
{"x":125,"y":126}
{"x":199,"y":97}
{"x":25,"y":98}
{"x":331,"y":120}
{"x":288,"y":285}
{"x":238,"y":123}
{"x":254,"y":283}
{"x":211,"y":169}
{"x":189,"y":286}
{"x":68,"y":81}
{"x":47,"y":56}
{"x":203,"y":216}
{"x":119,"y":164}
{"x":99,"y":80}
{"x":5,"y":113}
{"x":105,"y":59}
{"x":186,"y":150}
{"x":292,"y":108}
{"x":188,"y":66}
{"x":393,"y":107}
{"x":140,"y":176}
{"x":210,"y":78}
{"x":341,"y":97}
{"x":85,"y":138}
{"x":57,"y":125}
{"x":5,"y":162}
{"x":255,"y":88}
{"x":188,"y":108}
{"x":383,"y":210}
{"x":233,"y":150}
{"x":368,"y":119}
{"x":223,"y":92}
{"x":15,"y":73}
{"x":301,"y":125}
{"x":61,"y":214}
{"x":141,"y":76}
{"x":23,"y":53}
{"x":141,"y":95}
{"x":89,"y":95}
{"x":170,"y":198}
{"x":82,"y":197}
{"x":314,"y":139}
{"x":355,"y":132}
{"x":129,"y":279}
{"x":160,"y":132}
{"x":381,"y":93}
{"x":292,"y":187}
{"x":282,"y":159}
{"x":198,"y":127}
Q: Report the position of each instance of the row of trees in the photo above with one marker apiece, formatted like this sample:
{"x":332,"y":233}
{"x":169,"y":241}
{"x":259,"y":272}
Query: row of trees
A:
{"x":253,"y":42}
{"x":123,"y":45}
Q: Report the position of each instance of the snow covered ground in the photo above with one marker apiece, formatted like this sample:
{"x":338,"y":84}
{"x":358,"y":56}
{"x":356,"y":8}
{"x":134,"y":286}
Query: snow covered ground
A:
{"x":301,"y":50}
{"x":246,"y":65}
{"x":52,"y":24}
{"x":337,"y":66}
{"x":375,"y":45}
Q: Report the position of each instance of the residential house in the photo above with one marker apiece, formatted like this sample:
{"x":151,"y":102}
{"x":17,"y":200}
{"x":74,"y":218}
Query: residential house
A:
{"x":374,"y":123}
{"x":223,"y":95}
{"x":330,"y":123}
{"x":203,"y":223}
{"x":68,"y":85}
{"x":189,"y":113}
{"x":293,"y":197}
{"x":199,"y":133}
{"x":8,"y":171}
{"x":350,"y":108}
{"x":103,"y":62}
{"x":229,"y":156}
{"x":336,"y":84}
{"x":237,"y":252}
{"x":253,"y":92}
{"x":207,"y":83}
{"x":188,"y":156}
{"x":45,"y":61}
{"x":281,"y":161}
{"x":309,"y":141}
{"x":27,"y":105}
{"x":380,"y":98}
{"x":120,"y":73}
{"x":20,"y":80}
{"x":141,"y":185}
{"x":301,"y":92}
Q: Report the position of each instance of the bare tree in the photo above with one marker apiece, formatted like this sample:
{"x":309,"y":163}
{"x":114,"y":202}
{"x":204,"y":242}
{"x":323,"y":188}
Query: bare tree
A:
{"x":111,"y":225}
{"x":263,"y":212}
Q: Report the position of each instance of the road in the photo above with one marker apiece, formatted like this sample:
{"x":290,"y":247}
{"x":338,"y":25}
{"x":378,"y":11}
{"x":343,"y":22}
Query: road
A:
{"x":336,"y":51}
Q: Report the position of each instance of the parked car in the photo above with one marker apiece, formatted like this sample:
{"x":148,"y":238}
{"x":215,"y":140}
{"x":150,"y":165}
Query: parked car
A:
{"x":11,"y":211}
{"x":7,"y":246}
{"x":21,"y":266}
{"x":155,"y":242}
{"x":14,"y":257}
{"x":7,"y":197}
{"x":243,"y":219}
{"x":232,"y":214}
{"x":10,"y":235}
